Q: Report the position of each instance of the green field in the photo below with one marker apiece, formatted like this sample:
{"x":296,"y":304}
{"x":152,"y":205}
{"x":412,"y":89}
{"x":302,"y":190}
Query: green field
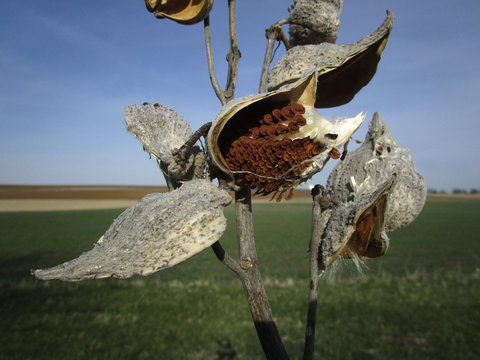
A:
{"x":420,"y":301}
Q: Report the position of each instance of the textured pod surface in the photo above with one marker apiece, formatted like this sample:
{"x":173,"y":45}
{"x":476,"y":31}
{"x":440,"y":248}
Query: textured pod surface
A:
{"x":159,"y":129}
{"x":314,"y":22}
{"x":373,"y":163}
{"x":182,"y":11}
{"x":160,"y":231}
{"x":356,"y":228}
{"x":342,"y":69}
{"x":274,"y":142}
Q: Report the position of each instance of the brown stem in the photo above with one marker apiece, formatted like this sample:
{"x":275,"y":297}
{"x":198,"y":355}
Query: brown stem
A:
{"x":211,"y":69}
{"x":273,"y":34}
{"x":252,"y":283}
{"x":247,"y":268}
{"x":317,"y":230}
{"x":234,"y":55}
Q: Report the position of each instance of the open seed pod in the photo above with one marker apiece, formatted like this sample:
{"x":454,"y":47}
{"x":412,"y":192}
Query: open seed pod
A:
{"x":373,"y":163}
{"x":274,"y":142}
{"x":356,"y":228}
{"x":160,"y":231}
{"x":162,"y":131}
{"x":342,"y":69}
{"x":182,"y":11}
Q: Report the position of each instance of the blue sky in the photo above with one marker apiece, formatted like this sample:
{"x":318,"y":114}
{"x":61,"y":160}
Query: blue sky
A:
{"x":67,"y":70}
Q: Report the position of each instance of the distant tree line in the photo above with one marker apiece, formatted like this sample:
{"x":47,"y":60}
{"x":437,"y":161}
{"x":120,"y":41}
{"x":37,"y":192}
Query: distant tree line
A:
{"x":454,"y":191}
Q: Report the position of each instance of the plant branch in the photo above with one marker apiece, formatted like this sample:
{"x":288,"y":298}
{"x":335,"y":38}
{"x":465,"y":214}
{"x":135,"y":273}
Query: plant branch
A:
{"x":227,"y":260}
{"x":317,"y":230}
{"x":274,"y":33}
{"x":252,"y":283}
{"x":234,"y":55}
{"x":211,"y":69}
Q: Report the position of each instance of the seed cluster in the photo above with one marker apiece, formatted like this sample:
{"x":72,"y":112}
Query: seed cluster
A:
{"x":260,"y":157}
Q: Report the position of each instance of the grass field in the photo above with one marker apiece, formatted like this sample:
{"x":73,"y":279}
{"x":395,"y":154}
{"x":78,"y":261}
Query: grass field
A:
{"x":420,"y":301}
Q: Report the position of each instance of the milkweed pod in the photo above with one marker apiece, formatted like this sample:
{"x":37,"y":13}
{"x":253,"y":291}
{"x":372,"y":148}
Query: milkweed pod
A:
{"x":162,"y":131}
{"x":342,"y":69}
{"x":159,"y":129}
{"x":160,"y":231}
{"x":314,"y":22}
{"x":273,"y":142}
{"x":182,"y":11}
{"x":371,"y":164}
{"x":356,"y":228}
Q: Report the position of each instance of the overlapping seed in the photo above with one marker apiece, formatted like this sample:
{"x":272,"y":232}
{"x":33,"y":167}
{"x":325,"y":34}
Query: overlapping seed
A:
{"x":260,"y":157}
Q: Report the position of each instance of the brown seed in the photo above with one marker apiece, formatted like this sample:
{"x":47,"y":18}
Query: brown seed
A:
{"x":255,"y":132}
{"x":334,"y":154}
{"x":277,"y":114}
{"x":331,"y":136}
{"x":308,"y":146}
{"x":299,"y":120}
{"x":268,"y":119}
{"x":290,"y":194}
{"x":287,"y":112}
{"x":317,"y":149}
{"x":279,"y":197}
{"x":292,"y":127}
{"x":272,"y":130}
{"x":281,"y":129}
{"x":263,"y":130}
{"x":297,"y":108}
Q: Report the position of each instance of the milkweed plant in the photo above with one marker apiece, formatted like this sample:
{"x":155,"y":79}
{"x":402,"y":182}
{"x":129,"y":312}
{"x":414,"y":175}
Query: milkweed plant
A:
{"x":267,"y":143}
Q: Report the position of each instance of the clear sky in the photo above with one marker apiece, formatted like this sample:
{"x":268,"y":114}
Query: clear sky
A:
{"x":68,"y":69}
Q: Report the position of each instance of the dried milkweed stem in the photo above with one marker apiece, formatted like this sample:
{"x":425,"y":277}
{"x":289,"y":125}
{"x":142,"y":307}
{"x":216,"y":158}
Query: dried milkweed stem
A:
{"x":211,"y":68}
{"x":316,"y":234}
{"x":274,"y":33}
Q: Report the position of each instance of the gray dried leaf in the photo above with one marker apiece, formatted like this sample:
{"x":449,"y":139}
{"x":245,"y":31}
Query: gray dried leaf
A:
{"x":373,"y":163}
{"x":160,"y":231}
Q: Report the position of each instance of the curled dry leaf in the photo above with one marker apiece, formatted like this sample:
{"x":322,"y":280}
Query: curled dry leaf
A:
{"x":356,"y":228}
{"x":276,"y":141}
{"x":182,"y":11}
{"x":160,"y":231}
{"x":374,"y":162}
{"x":342,"y":69}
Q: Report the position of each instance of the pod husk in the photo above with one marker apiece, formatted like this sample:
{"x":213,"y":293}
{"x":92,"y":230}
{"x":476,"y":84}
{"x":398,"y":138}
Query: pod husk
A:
{"x":342,"y":69}
{"x":185,"y":12}
{"x":376,"y":160}
{"x":160,"y":231}
{"x":302,"y":92}
{"x":357,"y":227}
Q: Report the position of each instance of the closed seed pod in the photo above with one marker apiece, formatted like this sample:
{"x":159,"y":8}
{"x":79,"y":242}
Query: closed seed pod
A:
{"x":160,"y":231}
{"x":342,"y":69}
{"x":375,"y":161}
{"x":182,"y":11}
{"x":276,"y":141}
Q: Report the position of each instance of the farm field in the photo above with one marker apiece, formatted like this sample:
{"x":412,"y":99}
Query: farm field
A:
{"x":419,"y":301}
